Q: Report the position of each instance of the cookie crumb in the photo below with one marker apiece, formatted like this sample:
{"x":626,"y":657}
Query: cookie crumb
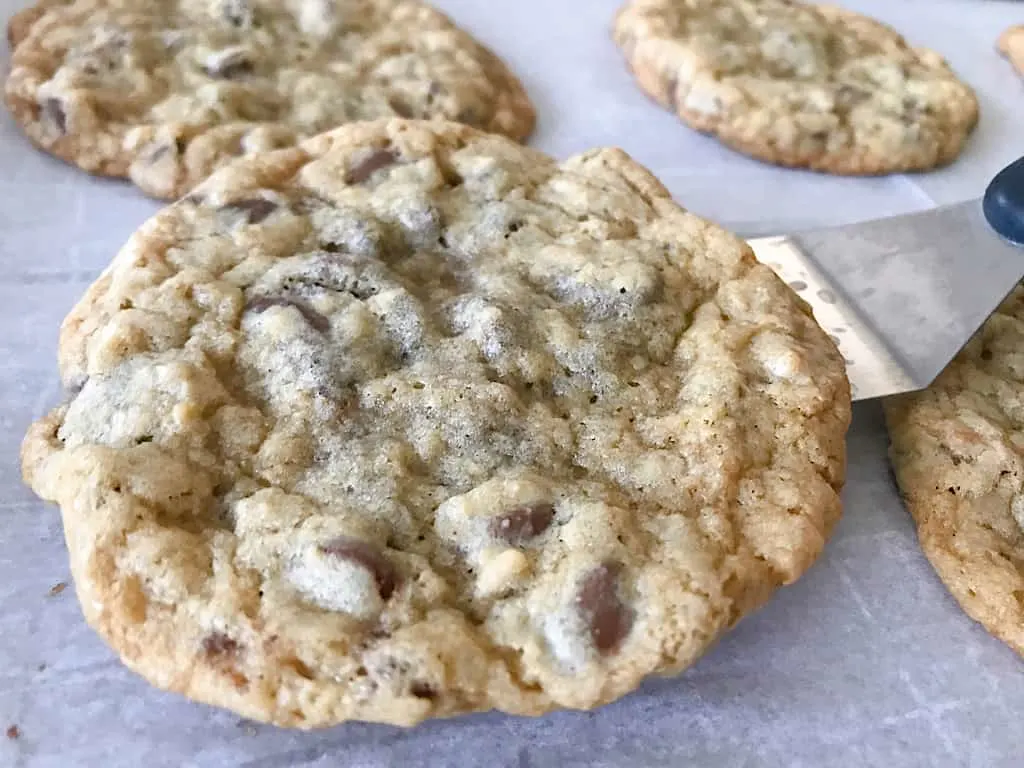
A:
{"x":13,"y":732}
{"x":57,"y":588}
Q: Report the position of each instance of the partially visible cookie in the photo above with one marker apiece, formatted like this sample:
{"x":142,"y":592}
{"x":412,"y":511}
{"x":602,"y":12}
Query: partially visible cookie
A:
{"x":412,"y":421}
{"x":1011,"y":45}
{"x":166,"y":91}
{"x":799,"y":85}
{"x":20,"y":23}
{"x":958,"y":452}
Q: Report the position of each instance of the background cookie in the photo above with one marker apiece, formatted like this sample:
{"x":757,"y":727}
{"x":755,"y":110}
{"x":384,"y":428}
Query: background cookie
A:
{"x":20,"y":23}
{"x":165,"y":92}
{"x":413,"y":421}
{"x":956,"y":449}
{"x":798,"y":85}
{"x":1011,"y":45}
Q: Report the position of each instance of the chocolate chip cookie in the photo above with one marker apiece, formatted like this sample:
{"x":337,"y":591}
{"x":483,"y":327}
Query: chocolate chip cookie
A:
{"x":1011,"y":46}
{"x":411,"y":421}
{"x":165,"y":92}
{"x":809,"y":86}
{"x":21,"y":22}
{"x":957,"y":452}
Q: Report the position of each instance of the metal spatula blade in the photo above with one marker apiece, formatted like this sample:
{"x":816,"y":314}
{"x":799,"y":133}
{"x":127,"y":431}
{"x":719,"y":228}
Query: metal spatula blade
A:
{"x":901,"y":296}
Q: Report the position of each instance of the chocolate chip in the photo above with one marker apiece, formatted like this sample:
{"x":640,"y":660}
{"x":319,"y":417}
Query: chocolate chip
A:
{"x":76,"y":385}
{"x":316,"y":321}
{"x":608,"y":618}
{"x":255,"y":210}
{"x":229,"y":65}
{"x":157,"y":153}
{"x":401,"y":107}
{"x":914,"y":108}
{"x":848,"y":96}
{"x":367,"y":556}
{"x":237,"y":13}
{"x":519,"y":525}
{"x":671,"y":95}
{"x":219,"y":644}
{"x":53,"y":111}
{"x":469,"y":116}
{"x":361,"y":171}
{"x":422,"y":690}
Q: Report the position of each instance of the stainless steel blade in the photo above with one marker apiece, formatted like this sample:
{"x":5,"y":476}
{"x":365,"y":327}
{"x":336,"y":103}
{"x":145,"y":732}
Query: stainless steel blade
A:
{"x":900,"y":296}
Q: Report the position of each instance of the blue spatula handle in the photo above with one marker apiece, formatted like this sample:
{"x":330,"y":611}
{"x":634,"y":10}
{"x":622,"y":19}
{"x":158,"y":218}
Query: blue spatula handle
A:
{"x":1003,"y":203}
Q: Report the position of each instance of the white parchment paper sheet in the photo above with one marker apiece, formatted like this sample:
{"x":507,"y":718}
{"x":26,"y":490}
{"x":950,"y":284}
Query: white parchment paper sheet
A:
{"x":865,"y":662}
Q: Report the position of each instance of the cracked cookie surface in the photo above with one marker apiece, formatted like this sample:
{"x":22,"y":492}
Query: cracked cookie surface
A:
{"x":165,"y":92}
{"x":411,"y":421}
{"x":958,"y":453}
{"x":795,"y":84}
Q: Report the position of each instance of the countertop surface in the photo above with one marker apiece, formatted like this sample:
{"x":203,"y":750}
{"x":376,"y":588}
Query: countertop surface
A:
{"x":866,"y":661}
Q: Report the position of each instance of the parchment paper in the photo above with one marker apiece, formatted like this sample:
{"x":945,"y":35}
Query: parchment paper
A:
{"x":865,"y":662}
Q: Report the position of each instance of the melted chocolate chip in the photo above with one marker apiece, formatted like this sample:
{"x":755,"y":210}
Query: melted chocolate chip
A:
{"x":469,"y":116}
{"x":53,"y":111}
{"x":255,"y":210}
{"x":608,"y":618}
{"x":229,"y":66}
{"x":401,"y":107}
{"x":848,"y":96}
{"x":219,"y":644}
{"x":671,"y":95}
{"x":316,"y":321}
{"x":422,"y":690}
{"x":237,"y":13}
{"x":367,"y":556}
{"x":519,"y":525}
{"x":76,"y":385}
{"x":157,"y":153}
{"x":914,"y":108}
{"x":360,"y":172}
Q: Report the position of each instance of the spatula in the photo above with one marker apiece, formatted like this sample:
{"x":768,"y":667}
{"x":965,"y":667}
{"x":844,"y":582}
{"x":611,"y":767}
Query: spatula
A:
{"x":902,"y":295}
